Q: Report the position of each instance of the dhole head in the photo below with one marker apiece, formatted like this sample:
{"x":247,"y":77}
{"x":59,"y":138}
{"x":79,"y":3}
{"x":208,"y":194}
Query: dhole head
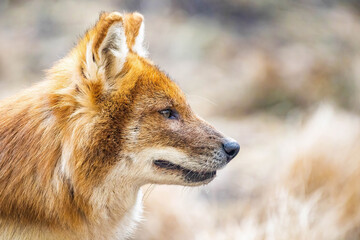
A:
{"x":135,"y":121}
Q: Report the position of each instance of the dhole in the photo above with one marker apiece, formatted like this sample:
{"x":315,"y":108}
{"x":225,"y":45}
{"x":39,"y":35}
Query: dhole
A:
{"x":76,"y":148}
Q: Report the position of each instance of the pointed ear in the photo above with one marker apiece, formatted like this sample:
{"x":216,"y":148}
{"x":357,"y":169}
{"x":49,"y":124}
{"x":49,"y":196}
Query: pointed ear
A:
{"x":106,"y":49}
{"x":134,"y":30}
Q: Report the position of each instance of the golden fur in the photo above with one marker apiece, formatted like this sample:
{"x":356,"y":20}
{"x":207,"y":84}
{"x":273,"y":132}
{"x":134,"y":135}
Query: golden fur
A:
{"x":76,"y":148}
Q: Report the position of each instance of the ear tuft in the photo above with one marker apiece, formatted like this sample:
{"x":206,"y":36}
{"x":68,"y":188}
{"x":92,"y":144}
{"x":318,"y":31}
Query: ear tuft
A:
{"x":135,"y":31}
{"x":107,"y":48}
{"x":108,"y":44}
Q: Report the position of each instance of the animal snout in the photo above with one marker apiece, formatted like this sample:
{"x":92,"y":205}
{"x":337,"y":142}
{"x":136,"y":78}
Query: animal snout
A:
{"x":231,"y":148}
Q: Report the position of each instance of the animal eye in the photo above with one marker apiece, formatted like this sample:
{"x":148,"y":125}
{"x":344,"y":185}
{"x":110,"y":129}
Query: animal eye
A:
{"x":168,"y":113}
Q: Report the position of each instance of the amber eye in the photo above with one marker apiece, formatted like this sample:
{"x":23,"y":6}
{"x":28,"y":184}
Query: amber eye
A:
{"x":169,"y":114}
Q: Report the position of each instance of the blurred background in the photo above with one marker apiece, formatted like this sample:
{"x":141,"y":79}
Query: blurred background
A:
{"x":279,"y":76}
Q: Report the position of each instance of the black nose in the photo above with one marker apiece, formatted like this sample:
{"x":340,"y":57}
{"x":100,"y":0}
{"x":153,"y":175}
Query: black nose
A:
{"x":231,"y":149}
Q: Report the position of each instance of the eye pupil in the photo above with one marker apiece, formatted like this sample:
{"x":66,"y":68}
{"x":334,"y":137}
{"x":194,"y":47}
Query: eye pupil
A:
{"x":168,"y":113}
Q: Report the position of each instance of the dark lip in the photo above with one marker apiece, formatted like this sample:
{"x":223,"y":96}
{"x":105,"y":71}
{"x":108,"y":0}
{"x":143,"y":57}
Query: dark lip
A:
{"x":189,"y":175}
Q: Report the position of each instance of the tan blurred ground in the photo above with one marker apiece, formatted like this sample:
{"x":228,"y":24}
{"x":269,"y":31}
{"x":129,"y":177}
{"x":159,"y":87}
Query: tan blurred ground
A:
{"x":282,"y":78}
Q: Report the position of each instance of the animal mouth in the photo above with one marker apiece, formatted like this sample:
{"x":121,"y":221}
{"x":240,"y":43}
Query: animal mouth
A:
{"x":189,"y":175}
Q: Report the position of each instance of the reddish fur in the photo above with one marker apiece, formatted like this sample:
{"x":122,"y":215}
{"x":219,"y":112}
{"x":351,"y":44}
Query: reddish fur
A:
{"x":71,"y":110}
{"x":132,"y":25}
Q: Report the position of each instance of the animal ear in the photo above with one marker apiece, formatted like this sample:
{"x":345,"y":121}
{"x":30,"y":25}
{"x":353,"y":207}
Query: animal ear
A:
{"x":135,"y":29}
{"x":106,"y":49}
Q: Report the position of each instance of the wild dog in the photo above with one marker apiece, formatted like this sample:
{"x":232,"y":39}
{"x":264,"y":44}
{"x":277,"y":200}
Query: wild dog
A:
{"x":76,"y":148}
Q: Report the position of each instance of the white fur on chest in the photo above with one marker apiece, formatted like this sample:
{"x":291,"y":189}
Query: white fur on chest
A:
{"x":130,"y":220}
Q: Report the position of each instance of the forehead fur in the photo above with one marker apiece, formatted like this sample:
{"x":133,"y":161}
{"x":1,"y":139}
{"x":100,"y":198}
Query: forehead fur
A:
{"x":146,"y":78}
